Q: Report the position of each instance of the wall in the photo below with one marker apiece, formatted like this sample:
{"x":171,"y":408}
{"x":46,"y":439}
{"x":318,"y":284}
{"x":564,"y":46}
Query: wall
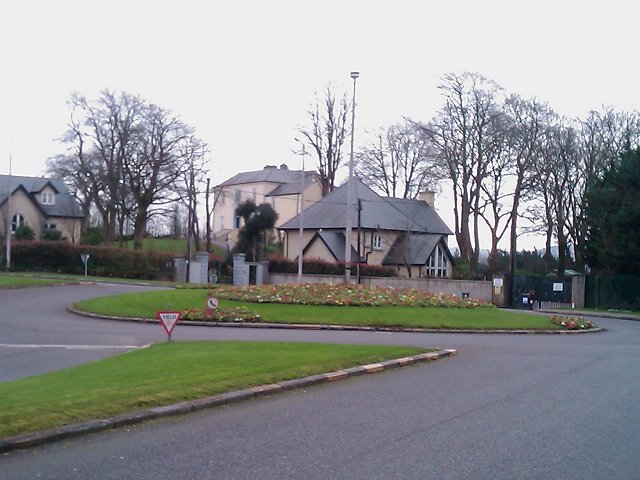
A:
{"x":480,"y":290}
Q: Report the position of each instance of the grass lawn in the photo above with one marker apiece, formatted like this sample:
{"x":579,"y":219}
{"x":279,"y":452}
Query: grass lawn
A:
{"x":167,"y":373}
{"x":22,"y":281}
{"x":146,"y":305}
{"x":34,"y":278}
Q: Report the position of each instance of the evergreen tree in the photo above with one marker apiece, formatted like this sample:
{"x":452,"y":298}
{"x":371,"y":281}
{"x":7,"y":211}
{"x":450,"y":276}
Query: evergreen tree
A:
{"x":613,"y":218}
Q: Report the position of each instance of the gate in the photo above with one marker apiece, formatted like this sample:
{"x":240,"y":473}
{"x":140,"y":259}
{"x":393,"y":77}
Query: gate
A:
{"x":621,"y":293}
{"x":544,"y":292}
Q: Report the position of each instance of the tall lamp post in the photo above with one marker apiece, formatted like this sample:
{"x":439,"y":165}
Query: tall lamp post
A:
{"x":8,"y":221}
{"x":347,"y":246}
{"x":300,"y":228}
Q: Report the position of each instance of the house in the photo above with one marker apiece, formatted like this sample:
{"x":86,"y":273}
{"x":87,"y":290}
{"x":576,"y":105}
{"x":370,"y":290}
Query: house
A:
{"x":42,"y":204}
{"x":282,"y":188}
{"x":406,"y":234}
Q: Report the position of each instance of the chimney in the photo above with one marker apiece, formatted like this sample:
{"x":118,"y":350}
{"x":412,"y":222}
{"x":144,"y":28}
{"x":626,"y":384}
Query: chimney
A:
{"x":428,"y":196}
{"x":284,"y":167}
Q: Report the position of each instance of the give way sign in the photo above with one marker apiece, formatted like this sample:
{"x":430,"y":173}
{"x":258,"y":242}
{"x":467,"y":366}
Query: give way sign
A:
{"x":168,"y":320}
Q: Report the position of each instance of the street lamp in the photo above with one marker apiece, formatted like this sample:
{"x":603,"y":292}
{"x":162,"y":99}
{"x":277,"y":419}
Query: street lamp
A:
{"x":347,"y":246}
{"x":300,"y":228}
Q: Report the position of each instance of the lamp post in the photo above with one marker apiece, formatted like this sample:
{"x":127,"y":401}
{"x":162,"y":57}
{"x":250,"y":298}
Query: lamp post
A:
{"x":347,"y":246}
{"x":300,"y":228}
{"x":8,"y":221}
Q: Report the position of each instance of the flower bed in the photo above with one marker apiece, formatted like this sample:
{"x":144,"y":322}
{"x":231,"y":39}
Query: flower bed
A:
{"x":235,"y":315}
{"x":339,"y":295}
{"x":572,"y":322}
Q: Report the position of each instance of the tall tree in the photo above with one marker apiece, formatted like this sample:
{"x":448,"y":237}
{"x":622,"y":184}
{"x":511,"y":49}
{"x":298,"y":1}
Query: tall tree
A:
{"x":399,"y":163}
{"x":462,"y":134}
{"x":613,"y":218}
{"x":529,"y":120}
{"x":326,"y":135}
{"x":127,"y":156}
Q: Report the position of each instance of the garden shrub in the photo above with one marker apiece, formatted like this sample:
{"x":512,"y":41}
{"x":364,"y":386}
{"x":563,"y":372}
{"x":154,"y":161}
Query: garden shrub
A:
{"x":63,"y":257}
{"x":24,"y":232}
{"x":316,"y":266}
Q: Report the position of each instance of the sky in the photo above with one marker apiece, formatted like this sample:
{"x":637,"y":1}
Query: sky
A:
{"x":245,"y":73}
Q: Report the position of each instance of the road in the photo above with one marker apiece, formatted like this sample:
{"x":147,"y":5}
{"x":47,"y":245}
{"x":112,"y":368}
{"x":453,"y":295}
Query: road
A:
{"x":507,"y":406}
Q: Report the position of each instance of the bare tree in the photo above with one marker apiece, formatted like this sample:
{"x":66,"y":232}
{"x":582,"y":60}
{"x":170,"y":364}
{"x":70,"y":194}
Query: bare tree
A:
{"x":327,"y":135}
{"x":529,"y":120}
{"x":399,"y":163}
{"x":463,"y":137}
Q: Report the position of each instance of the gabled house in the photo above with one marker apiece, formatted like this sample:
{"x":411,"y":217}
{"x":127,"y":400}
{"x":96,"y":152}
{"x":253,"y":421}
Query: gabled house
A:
{"x":406,"y":234}
{"x":280,"y":187}
{"x":42,"y":204}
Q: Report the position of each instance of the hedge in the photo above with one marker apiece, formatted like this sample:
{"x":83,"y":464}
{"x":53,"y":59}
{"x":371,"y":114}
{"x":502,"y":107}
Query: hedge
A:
{"x":315,"y":266}
{"x":63,"y":257}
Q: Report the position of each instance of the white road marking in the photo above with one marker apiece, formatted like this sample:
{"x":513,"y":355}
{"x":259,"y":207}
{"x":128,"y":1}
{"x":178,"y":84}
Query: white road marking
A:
{"x":71,"y":347}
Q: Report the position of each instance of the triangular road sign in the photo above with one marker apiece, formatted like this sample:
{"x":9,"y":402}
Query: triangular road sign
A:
{"x":168,"y":320}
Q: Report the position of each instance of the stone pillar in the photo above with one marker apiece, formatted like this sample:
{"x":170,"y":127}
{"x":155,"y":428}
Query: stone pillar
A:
{"x":501,"y":290}
{"x":203,"y":259}
{"x":179,"y":269}
{"x":578,"y":291}
{"x":240,"y":270}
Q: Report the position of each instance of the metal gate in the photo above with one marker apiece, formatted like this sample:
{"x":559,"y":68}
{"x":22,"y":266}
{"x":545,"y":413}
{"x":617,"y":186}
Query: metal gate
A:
{"x":543,"y":292}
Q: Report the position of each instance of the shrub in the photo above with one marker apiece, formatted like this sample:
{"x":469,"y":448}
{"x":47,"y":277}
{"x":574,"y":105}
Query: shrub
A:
{"x":52,"y":235}
{"x":316,"y":266}
{"x":63,"y":257}
{"x":24,"y":232}
{"x":92,"y":236}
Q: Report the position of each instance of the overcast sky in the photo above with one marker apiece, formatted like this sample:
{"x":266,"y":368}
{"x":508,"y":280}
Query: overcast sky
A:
{"x":244,"y":73}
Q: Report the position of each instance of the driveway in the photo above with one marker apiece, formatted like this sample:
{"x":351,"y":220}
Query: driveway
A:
{"x":507,"y":406}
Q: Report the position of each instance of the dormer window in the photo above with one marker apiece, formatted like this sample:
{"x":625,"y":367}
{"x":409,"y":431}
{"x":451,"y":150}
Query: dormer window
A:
{"x":47,"y":198}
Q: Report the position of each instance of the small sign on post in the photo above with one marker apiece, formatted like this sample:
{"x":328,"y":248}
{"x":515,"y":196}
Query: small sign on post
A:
{"x":168,"y":321}
{"x":85,"y":260}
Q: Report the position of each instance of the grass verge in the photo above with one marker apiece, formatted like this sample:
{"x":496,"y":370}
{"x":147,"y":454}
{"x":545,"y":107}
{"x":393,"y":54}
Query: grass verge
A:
{"x":168,"y":373}
{"x":145,"y":305}
{"x":7,"y":281}
{"x":48,"y":277}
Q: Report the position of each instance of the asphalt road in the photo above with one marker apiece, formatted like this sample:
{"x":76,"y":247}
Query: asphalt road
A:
{"x":506,"y":407}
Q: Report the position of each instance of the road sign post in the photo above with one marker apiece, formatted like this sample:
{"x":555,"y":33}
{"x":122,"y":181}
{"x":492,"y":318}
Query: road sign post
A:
{"x":85,"y":260}
{"x":168,"y":321}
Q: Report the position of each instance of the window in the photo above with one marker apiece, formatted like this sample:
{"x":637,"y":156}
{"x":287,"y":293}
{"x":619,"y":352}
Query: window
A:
{"x":238,"y":195}
{"x":17,"y":221}
{"x":253,"y":193}
{"x":377,"y":242}
{"x":273,"y":202}
{"x":222,"y":222}
{"x":49,"y":226}
{"x":236,"y":221}
{"x":47,"y":198}
{"x":221,"y":198}
{"x":437,"y":265}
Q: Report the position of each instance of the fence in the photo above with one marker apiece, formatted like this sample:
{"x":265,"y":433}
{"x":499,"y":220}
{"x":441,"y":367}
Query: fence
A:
{"x":622,"y":292}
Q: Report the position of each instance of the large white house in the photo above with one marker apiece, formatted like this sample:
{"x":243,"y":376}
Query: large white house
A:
{"x":282,"y":188}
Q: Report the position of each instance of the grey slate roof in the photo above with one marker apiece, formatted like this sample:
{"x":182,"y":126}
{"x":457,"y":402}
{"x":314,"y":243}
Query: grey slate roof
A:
{"x":65,"y":204}
{"x":412,"y":249}
{"x":381,"y":213}
{"x":335,"y":242}
{"x":268,"y":174}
